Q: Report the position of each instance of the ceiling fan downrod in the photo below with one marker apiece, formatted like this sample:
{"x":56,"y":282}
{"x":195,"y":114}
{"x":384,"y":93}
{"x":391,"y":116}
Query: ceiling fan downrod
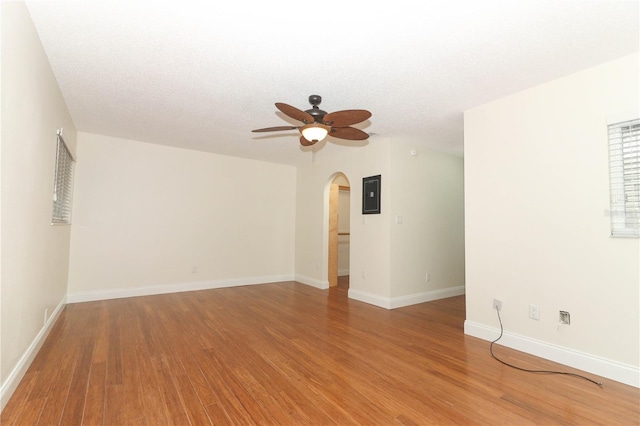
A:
{"x":315,"y":111}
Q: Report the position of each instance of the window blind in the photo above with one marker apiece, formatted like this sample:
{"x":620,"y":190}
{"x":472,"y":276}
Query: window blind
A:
{"x":63,"y":184}
{"x":624,"y":166}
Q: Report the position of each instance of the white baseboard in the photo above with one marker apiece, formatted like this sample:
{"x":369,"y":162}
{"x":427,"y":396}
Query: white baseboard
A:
{"x":13,"y":380}
{"x":410,"y":299}
{"x":427,"y":296}
{"x":322,"y":285}
{"x":119,"y":293}
{"x":370,"y":298}
{"x":619,"y":372}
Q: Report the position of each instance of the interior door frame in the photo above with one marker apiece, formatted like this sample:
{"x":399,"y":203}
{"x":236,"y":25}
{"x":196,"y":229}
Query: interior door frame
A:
{"x":333,"y":228}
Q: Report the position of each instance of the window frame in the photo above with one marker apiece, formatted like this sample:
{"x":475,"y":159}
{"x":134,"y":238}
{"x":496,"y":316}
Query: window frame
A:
{"x":624,"y":177}
{"x":62,"y":183}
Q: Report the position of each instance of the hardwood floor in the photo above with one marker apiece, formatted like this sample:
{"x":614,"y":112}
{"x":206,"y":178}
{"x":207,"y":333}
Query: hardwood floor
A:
{"x":287,"y":353}
{"x":343,"y":282}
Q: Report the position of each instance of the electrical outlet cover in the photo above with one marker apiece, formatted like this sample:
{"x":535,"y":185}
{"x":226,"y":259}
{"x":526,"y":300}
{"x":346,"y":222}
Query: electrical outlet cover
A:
{"x":534,"y":312}
{"x":497,"y":304}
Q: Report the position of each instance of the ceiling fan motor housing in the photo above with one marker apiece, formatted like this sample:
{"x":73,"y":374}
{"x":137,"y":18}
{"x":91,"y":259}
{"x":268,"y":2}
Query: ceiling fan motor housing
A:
{"x":316,"y":112}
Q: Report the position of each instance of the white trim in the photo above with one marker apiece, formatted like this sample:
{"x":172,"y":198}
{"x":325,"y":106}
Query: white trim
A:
{"x":370,"y":298}
{"x":13,"y":379}
{"x":623,"y":116}
{"x":623,"y":373}
{"x":407,"y":300}
{"x":322,"y":285}
{"x":119,"y":293}
{"x":427,"y":296}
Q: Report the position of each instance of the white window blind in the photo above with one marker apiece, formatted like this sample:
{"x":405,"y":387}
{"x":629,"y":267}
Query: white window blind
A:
{"x":624,"y":166}
{"x":63,"y":184}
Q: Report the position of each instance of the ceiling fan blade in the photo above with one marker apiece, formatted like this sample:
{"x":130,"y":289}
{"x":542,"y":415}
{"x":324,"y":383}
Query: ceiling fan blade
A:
{"x":350,"y":133}
{"x":295,"y":113}
{"x":275,"y":129}
{"x":346,"y":117}
{"x":305,"y":142}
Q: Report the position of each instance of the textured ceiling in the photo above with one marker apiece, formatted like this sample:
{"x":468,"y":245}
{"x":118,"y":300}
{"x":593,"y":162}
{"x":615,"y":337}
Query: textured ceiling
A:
{"x":202,"y":74}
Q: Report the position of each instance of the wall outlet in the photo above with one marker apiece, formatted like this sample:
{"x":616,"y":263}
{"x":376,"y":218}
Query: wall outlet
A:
{"x":428,"y":277}
{"x":565,"y":317}
{"x":534,"y":312}
{"x":497,"y":304}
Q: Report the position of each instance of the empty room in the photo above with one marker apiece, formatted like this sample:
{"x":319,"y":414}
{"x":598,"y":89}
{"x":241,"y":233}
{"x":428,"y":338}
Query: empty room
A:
{"x":336,"y":213}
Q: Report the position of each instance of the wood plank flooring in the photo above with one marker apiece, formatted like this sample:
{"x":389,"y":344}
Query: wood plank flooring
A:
{"x":287,"y":353}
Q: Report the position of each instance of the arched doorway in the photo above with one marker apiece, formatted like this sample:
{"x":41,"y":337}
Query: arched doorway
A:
{"x":339,"y":231}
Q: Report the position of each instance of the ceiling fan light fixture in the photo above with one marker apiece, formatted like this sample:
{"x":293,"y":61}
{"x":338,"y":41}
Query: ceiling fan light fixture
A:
{"x":317,"y":124}
{"x":315,"y":132}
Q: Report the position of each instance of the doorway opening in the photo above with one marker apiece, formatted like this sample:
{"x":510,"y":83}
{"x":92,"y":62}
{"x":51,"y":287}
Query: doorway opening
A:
{"x":339,"y":232}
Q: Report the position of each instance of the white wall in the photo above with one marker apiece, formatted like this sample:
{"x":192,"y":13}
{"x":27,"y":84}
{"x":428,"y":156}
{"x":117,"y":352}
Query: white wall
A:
{"x":369,"y":242}
{"x":34,"y":253}
{"x":388,"y":262}
{"x":146,"y":215}
{"x":537,"y":232}
{"x":427,"y":195}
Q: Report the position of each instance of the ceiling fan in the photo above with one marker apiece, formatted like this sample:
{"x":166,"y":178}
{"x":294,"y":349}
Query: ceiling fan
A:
{"x":318,"y":123}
